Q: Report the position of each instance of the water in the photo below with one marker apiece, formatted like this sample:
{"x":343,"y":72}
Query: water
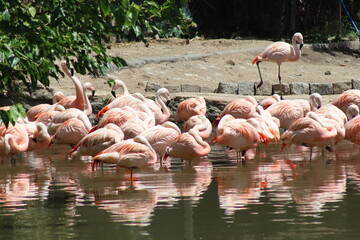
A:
{"x":274,"y":196}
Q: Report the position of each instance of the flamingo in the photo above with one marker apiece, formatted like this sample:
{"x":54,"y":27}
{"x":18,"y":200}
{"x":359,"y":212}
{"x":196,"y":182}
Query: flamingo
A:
{"x":330,"y":111}
{"x":200,"y":123}
{"x":131,"y":154}
{"x":119,"y":84}
{"x":344,"y":100}
{"x":238,"y":134}
{"x":13,"y":140}
{"x":352,"y":127}
{"x":280,"y":52}
{"x":70,"y":132}
{"x":59,"y":118}
{"x":287,"y":111}
{"x":239,"y":108}
{"x":310,"y":131}
{"x":161,"y":136}
{"x":97,"y":141}
{"x":159,"y":107}
{"x":190,"y":107}
{"x":40,"y":108}
{"x":268,"y":101}
{"x":38,"y":136}
{"x":188,"y":146}
{"x":77,"y":101}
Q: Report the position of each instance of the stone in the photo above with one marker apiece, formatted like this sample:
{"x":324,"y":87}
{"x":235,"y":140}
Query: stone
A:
{"x":229,"y":88}
{"x":190,"y":88}
{"x":321,"y":88}
{"x":173,"y":88}
{"x":264,"y":90}
{"x":355,"y":83}
{"x":299,"y":88}
{"x":285,"y":89}
{"x":340,"y":87}
{"x":246,"y":88}
{"x":152,"y":87}
{"x":207,"y":89}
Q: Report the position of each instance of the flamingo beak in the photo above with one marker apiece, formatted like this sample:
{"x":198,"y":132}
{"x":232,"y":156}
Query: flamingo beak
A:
{"x":92,"y":93}
{"x":165,"y":157}
{"x":283,"y":145}
{"x":168,"y":103}
{"x":213,"y":139}
{"x":113,"y":93}
{"x":301,"y":45}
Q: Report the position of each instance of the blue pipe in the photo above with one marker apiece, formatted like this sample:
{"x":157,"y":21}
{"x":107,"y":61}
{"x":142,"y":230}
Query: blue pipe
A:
{"x":350,"y":19}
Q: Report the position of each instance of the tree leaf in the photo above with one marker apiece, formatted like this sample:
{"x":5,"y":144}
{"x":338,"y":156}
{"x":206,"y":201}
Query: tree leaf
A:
{"x":32,"y":11}
{"x":105,"y":7}
{"x":6,"y":15}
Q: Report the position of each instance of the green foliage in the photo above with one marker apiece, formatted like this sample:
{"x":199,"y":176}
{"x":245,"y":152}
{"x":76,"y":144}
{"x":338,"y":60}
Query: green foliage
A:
{"x":12,"y":115}
{"x":333,"y":31}
{"x":35,"y":35}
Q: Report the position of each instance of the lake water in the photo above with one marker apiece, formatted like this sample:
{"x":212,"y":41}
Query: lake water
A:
{"x":273,"y":196}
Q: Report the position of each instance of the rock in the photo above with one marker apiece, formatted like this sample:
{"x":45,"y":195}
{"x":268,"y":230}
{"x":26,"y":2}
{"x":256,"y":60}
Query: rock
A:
{"x":173,"y":88}
{"x":246,"y":88}
{"x":299,"y":88}
{"x":190,"y":88}
{"x":229,"y":88}
{"x":152,"y":87}
{"x":327,"y":73}
{"x":340,"y":87}
{"x":355,"y":83}
{"x":264,"y":90}
{"x":206,"y":89}
{"x":285,"y":88}
{"x":136,"y":63}
{"x":321,"y":88}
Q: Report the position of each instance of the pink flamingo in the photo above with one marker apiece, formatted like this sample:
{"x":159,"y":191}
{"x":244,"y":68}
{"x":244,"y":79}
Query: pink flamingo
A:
{"x":310,"y":131}
{"x":200,"y":123}
{"x":131,"y":154}
{"x":70,"y":132}
{"x":97,"y":141}
{"x":158,"y":107}
{"x":118,"y":84}
{"x":267,"y":102}
{"x":352,"y":127}
{"x":190,"y":107}
{"x":238,"y":134}
{"x":280,"y":52}
{"x":344,"y":100}
{"x":38,"y":136}
{"x":239,"y":108}
{"x":188,"y":146}
{"x":59,"y":118}
{"x":40,"y":108}
{"x":77,"y":101}
{"x":161,"y":136}
{"x":13,"y":140}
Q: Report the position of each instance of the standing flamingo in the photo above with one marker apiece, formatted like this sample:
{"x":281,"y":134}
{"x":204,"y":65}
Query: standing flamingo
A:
{"x":70,"y":132}
{"x":131,"y":154}
{"x":161,"y":136}
{"x":13,"y":140}
{"x":280,"y":52}
{"x":344,"y":100}
{"x":239,"y":108}
{"x":200,"y":123}
{"x":190,"y":107}
{"x":159,"y":106}
{"x":352,"y":127}
{"x":97,"y":141}
{"x":310,"y":131}
{"x":77,"y":101}
{"x":188,"y":146}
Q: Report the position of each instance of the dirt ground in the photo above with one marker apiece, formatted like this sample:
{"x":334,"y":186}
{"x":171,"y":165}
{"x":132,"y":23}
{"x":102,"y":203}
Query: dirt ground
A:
{"x":232,"y":67}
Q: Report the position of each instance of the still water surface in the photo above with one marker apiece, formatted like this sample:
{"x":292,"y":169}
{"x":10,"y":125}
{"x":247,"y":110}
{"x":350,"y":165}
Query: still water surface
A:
{"x":274,"y":196}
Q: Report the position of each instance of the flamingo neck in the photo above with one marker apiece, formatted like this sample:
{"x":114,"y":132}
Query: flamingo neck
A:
{"x":203,"y":126}
{"x":88,"y":107}
{"x":165,"y":110}
{"x":124,"y":88}
{"x":80,"y":100}
{"x":199,"y":140}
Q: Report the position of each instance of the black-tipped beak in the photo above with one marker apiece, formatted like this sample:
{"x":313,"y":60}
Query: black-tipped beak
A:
{"x":113,"y":93}
{"x":93,"y":93}
{"x":301,"y":45}
{"x":168,"y":103}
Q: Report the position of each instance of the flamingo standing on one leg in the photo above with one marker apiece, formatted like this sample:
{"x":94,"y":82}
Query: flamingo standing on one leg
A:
{"x":131,"y":154}
{"x":280,"y":52}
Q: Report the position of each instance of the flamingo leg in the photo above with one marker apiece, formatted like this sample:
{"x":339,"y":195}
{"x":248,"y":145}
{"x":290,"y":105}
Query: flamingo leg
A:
{"x":261,"y":80}
{"x":281,"y":87}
